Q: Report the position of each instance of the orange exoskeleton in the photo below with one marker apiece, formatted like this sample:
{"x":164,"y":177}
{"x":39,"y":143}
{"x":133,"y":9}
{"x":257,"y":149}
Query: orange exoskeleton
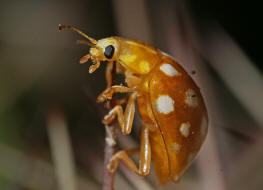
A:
{"x":173,"y":113}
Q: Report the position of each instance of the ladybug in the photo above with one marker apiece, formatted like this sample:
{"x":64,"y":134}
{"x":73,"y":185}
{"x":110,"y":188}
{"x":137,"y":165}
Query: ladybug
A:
{"x":171,"y":107}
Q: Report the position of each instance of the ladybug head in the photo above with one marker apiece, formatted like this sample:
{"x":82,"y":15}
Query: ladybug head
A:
{"x":102,"y":50}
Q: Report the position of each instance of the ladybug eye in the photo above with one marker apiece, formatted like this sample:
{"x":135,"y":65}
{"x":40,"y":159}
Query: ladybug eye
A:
{"x":109,"y":51}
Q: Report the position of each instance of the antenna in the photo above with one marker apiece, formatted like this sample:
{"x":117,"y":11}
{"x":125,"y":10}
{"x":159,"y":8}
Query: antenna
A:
{"x":62,"y":27}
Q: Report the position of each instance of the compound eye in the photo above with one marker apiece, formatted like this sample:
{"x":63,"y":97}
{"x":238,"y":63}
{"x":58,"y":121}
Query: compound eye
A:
{"x":109,"y":51}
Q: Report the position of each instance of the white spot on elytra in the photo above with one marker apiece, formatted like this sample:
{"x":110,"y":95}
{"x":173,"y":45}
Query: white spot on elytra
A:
{"x":165,"y":104}
{"x":175,"y":148}
{"x":191,"y":98}
{"x":175,"y":178}
{"x":185,"y":128}
{"x":203,"y":127}
{"x":169,"y":70}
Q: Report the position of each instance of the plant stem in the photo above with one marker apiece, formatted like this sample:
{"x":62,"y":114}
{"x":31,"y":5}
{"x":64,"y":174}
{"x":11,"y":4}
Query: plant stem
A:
{"x":109,"y":150}
{"x":110,"y":145}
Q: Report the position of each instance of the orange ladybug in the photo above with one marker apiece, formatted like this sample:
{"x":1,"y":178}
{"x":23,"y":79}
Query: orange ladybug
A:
{"x":173,"y":113}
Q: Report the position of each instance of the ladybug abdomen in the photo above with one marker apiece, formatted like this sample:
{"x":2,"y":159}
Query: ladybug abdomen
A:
{"x":180,"y":113}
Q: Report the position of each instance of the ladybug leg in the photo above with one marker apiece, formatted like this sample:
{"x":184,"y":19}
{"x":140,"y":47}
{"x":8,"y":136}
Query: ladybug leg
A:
{"x":145,"y":156}
{"x":117,"y":102}
{"x":121,"y":101}
{"x":131,"y":80}
{"x":109,"y":74}
{"x":125,"y":119}
{"x":108,"y":93}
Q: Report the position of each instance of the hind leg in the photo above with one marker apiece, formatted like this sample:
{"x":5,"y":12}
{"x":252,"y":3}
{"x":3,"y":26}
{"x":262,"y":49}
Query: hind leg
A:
{"x":145,"y":156}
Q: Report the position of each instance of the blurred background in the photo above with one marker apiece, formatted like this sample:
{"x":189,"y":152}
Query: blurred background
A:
{"x":51,"y":135}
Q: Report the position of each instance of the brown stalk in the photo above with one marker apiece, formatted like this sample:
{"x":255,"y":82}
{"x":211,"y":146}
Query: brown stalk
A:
{"x":110,"y":144}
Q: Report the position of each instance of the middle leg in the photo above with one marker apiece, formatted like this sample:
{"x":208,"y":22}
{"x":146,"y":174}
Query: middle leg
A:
{"x":125,"y":119}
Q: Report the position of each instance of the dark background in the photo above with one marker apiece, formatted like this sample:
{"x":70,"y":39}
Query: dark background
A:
{"x":241,"y":19}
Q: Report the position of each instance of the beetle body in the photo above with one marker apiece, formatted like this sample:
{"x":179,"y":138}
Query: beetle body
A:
{"x":173,"y":113}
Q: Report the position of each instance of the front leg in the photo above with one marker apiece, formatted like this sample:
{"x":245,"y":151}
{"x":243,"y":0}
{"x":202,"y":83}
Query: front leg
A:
{"x":125,"y":120}
{"x":109,"y":69}
{"x":108,"y":93}
{"x":145,"y":156}
{"x":108,"y":73}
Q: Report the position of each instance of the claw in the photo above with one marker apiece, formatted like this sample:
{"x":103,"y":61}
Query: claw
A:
{"x":105,"y":95}
{"x":108,"y":118}
{"x":107,"y":105}
{"x":101,"y":98}
{"x":111,"y":167}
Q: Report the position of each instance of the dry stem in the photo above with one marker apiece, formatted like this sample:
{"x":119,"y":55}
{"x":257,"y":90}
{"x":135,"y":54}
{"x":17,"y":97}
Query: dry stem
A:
{"x":110,"y":146}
